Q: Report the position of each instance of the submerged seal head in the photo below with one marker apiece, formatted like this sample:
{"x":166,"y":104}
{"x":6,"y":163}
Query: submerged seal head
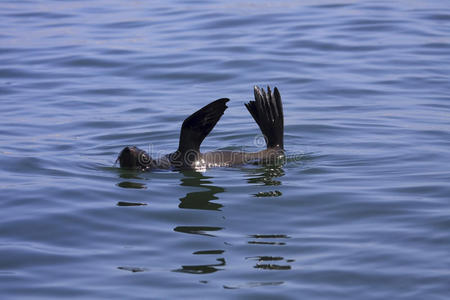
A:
{"x":132,"y":157}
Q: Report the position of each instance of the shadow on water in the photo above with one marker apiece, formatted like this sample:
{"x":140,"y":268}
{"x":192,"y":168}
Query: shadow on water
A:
{"x":199,"y":199}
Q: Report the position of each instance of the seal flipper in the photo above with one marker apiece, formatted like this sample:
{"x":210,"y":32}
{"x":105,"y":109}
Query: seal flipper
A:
{"x":198,"y":125}
{"x":267,"y":111}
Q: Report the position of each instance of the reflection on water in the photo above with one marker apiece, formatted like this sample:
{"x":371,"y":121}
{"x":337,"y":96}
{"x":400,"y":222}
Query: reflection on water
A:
{"x":130,"y":174}
{"x":275,"y":193}
{"x":272,"y":267}
{"x":270,"y":236}
{"x":202,"y":269}
{"x":262,"y":176}
{"x":267,"y":243}
{"x":131,"y":185}
{"x":201,"y":230}
{"x":265,"y":175}
{"x":200,"y":199}
{"x":261,"y":239}
{"x":126,"y":203}
{"x":253,"y":284}
{"x":209,"y":252}
{"x":265,"y":262}
{"x":132,"y":269}
{"x":127,"y":184}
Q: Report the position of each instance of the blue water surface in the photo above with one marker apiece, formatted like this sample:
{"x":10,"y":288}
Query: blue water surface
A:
{"x":360,"y":211}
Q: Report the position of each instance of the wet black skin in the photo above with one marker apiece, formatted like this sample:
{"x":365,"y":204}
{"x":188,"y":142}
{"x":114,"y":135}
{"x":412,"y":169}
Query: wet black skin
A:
{"x":266,"y":110}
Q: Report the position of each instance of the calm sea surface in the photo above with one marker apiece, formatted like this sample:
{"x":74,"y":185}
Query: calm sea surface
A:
{"x":360,"y":211}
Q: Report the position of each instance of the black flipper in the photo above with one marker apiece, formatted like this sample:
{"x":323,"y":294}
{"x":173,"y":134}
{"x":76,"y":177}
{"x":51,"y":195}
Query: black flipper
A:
{"x":267,"y":110}
{"x":198,"y":125}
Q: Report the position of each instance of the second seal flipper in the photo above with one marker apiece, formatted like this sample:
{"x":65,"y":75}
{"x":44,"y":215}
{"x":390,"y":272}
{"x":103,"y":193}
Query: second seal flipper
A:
{"x":198,"y":125}
{"x":267,"y":110}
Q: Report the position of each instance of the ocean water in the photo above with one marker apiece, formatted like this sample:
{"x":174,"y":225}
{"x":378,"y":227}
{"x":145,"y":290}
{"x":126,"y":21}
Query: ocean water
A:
{"x":360,"y":211}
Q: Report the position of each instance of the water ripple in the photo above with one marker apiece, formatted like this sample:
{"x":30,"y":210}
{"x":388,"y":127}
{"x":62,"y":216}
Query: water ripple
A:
{"x":359,"y":209}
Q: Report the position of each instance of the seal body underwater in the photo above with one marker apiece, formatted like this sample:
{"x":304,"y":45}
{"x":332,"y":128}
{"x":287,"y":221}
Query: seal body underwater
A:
{"x":266,"y":110}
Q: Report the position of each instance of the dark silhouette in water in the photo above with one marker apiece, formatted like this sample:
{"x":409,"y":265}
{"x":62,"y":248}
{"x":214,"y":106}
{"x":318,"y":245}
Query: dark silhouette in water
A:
{"x":266,"y":110}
